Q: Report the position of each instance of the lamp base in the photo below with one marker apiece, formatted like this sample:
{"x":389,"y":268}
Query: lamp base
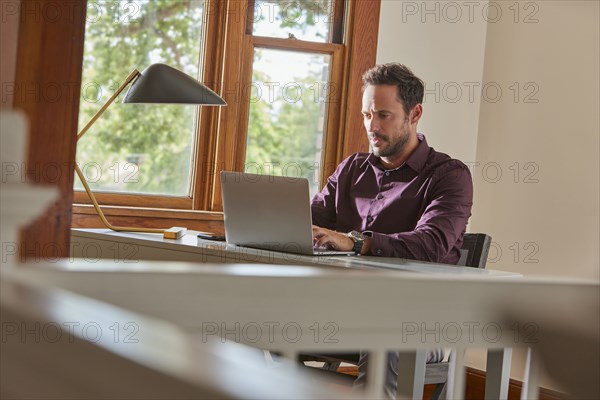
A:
{"x":175,"y":232}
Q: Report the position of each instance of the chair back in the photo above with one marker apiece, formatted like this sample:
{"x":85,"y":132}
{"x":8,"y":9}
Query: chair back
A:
{"x":474,"y":251}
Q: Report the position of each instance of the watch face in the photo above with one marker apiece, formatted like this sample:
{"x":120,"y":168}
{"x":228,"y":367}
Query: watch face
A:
{"x":355,"y":235}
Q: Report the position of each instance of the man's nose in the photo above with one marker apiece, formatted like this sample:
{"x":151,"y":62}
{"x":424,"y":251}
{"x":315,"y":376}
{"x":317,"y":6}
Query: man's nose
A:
{"x":373,"y":124}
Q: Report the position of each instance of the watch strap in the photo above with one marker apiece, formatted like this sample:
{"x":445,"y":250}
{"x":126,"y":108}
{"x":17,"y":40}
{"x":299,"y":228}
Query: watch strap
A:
{"x":358,"y":245}
{"x":359,"y":240}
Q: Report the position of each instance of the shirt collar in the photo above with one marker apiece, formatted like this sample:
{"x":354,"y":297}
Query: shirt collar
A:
{"x":416,"y":160}
{"x":419,"y":156}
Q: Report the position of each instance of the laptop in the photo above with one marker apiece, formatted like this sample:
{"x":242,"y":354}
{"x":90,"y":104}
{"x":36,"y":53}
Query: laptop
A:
{"x":269,"y":212}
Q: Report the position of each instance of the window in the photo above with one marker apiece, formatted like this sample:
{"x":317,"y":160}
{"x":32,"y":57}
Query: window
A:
{"x":138,"y":148}
{"x":292,"y":85}
{"x":289,"y":71}
{"x":287,"y":114}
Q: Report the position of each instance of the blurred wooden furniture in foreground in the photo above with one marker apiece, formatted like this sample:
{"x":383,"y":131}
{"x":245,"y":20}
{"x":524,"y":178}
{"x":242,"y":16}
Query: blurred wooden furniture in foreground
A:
{"x":289,"y":309}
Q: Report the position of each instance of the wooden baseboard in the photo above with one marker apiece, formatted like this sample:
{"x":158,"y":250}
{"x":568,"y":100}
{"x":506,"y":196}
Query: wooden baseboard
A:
{"x":475,"y":386}
{"x":348,"y":370}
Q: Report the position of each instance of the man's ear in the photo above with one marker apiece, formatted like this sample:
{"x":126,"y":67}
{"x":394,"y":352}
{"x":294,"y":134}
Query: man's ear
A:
{"x":415,"y":114}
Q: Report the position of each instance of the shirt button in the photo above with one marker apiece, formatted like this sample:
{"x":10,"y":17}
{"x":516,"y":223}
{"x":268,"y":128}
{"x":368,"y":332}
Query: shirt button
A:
{"x":387,"y":174}
{"x":378,"y":252}
{"x":379,"y":196}
{"x":369,"y":218}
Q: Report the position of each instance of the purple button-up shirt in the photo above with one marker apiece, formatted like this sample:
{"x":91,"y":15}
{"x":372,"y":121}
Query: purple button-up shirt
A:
{"x":417,"y":211}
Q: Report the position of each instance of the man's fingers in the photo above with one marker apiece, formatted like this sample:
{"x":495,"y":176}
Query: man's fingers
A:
{"x":325,"y":238}
{"x":317,"y":229}
{"x":323,"y":242}
{"x":319,"y":232}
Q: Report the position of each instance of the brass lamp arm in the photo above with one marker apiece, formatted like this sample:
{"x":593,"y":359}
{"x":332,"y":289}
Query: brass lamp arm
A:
{"x":101,"y":213}
{"x":172,"y":233}
{"x":134,"y":74}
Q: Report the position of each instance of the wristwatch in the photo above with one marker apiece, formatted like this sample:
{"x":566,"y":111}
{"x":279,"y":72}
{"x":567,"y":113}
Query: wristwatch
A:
{"x":359,"y":240}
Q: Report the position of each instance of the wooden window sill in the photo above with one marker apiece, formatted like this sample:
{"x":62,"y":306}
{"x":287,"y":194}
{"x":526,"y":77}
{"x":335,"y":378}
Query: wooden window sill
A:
{"x":84,"y":216}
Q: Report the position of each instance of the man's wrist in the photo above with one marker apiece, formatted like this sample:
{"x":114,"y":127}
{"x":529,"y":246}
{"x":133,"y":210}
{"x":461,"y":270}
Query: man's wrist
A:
{"x":368,"y":240}
{"x":366,"y":248}
{"x":361,"y":242}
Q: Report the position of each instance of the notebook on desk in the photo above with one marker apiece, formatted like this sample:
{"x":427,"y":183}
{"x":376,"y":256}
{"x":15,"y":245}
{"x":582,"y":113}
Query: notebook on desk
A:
{"x":269,"y":212}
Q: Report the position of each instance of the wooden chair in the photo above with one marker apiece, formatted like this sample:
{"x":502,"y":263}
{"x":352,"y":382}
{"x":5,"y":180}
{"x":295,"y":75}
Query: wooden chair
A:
{"x":474,"y":253}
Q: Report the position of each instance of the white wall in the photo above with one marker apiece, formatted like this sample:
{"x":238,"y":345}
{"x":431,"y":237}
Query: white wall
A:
{"x":448,"y":56}
{"x":532,"y":139}
{"x":534,"y":151}
{"x":552,"y":205}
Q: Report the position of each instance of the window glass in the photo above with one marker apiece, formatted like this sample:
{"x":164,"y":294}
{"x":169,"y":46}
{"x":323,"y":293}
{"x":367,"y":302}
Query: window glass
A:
{"x":309,"y":20}
{"x":287,"y":114}
{"x":136,"y":148}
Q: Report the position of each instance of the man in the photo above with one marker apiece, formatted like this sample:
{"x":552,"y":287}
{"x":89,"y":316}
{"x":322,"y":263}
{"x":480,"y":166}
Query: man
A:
{"x":404,"y":199}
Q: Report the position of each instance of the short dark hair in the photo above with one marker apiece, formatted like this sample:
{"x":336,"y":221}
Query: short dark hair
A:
{"x":409,"y":87}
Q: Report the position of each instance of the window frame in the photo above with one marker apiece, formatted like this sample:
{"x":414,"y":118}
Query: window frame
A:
{"x":228,"y":52}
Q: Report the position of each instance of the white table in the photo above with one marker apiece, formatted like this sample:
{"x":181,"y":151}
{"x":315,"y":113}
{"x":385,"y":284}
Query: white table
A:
{"x":132,"y":247}
{"x":293,"y":308}
{"x":127,"y":247}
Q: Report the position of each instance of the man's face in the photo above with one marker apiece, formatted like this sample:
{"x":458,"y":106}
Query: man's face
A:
{"x":386,"y":122}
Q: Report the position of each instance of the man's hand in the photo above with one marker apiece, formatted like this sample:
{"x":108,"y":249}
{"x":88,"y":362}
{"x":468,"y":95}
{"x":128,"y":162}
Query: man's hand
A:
{"x":325,"y":238}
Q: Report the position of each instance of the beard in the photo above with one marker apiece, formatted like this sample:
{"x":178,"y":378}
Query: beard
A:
{"x":394,"y":147}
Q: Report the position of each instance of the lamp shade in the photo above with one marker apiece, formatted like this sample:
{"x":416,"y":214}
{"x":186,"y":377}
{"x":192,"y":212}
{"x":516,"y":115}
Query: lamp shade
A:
{"x":160,"y":83}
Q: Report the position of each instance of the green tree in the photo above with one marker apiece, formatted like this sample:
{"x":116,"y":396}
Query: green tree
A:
{"x":138,"y":148}
{"x":284,"y":135}
{"x":148,"y":148}
{"x":301,"y":18}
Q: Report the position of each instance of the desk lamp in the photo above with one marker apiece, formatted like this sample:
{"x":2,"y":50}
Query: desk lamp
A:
{"x":159,"y":83}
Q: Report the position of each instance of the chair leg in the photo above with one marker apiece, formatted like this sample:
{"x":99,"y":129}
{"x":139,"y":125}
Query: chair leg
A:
{"x":439,"y":393}
{"x":331,"y":366}
{"x":441,"y":389}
